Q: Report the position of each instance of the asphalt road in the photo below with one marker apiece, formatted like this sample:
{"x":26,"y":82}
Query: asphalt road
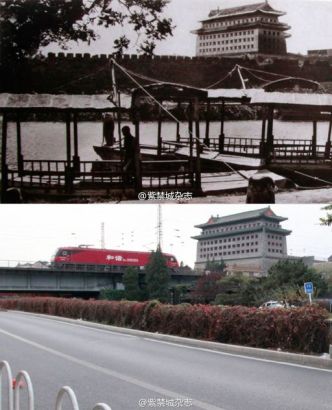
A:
{"x":121,"y":370}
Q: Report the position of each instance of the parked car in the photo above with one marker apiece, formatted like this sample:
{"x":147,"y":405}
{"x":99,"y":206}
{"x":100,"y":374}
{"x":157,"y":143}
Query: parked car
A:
{"x":272,"y":304}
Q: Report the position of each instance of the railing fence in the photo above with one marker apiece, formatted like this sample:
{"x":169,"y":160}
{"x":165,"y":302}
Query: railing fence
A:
{"x":23,"y":380}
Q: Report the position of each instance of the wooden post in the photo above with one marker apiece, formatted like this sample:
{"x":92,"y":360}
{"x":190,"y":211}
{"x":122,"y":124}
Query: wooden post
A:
{"x":159,"y":132}
{"x":262,"y":144}
{"x":190,"y":124}
{"x":178,"y":136}
{"x":68,"y":176}
{"x":198,"y":159}
{"x":328,"y":142}
{"x":314,"y":139}
{"x":222,"y":134}
{"x":19,"y":144}
{"x":119,"y":120}
{"x":270,"y":138}
{"x":76,"y":158}
{"x":4,"y":169}
{"x":138,"y":173}
{"x":68,"y":138}
{"x":207,"y":125}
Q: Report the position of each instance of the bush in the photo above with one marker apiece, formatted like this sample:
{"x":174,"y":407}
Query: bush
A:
{"x":112,"y":294}
{"x":302,"y":329}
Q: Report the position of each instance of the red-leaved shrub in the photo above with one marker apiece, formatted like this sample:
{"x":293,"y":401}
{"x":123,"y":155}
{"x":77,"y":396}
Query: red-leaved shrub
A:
{"x":302,"y":329}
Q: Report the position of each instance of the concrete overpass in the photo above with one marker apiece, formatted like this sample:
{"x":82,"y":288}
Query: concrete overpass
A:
{"x":81,"y":283}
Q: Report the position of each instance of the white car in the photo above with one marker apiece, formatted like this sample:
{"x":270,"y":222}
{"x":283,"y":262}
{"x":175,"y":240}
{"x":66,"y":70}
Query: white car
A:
{"x":272,"y":304}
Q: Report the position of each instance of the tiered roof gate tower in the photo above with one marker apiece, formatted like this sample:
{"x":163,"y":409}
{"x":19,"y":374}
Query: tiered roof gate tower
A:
{"x":247,"y":29}
{"x":248,"y":242}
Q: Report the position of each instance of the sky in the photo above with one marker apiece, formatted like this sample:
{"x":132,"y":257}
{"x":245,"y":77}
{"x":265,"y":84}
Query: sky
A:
{"x":309,"y":21}
{"x":34,"y":232}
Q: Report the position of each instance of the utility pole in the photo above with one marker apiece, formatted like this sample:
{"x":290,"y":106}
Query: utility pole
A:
{"x":159,"y":228}
{"x":102,"y":236}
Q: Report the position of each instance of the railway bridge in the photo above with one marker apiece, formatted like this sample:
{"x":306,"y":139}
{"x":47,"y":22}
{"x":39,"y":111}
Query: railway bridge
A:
{"x":80,"y":281}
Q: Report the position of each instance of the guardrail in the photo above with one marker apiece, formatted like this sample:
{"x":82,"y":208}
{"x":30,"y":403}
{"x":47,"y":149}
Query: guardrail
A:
{"x":22,"y":380}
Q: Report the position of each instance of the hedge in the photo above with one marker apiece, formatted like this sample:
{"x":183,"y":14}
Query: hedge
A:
{"x":302,"y":329}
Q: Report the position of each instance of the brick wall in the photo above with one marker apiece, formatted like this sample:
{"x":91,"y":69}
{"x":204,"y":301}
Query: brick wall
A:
{"x":85,"y":73}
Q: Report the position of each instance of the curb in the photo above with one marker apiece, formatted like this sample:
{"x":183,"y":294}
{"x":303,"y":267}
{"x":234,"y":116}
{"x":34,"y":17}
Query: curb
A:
{"x":318,"y":362}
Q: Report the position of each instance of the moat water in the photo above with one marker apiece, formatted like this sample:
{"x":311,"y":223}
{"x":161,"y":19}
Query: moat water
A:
{"x":47,"y":141}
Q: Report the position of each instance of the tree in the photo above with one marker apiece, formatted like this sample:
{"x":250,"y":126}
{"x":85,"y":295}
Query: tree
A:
{"x":28,"y":25}
{"x":111,"y":294}
{"x":215,"y":266}
{"x":286,"y":279}
{"x":237,"y":290}
{"x":157,"y":277}
{"x":206,"y":288}
{"x":131,"y":284}
{"x":328,"y":219}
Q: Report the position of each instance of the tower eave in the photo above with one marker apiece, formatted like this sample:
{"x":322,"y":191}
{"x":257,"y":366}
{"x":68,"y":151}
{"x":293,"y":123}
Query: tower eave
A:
{"x":243,"y":14}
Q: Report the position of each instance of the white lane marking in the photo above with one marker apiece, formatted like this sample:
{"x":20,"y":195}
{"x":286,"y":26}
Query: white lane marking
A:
{"x":175,"y":344}
{"x":239,"y":355}
{"x":84,"y":325}
{"x":120,"y":376}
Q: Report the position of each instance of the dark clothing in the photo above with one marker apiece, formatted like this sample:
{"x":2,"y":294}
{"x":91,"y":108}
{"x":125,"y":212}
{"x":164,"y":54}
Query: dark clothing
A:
{"x":261,"y":191}
{"x":129,"y":159}
{"x":108,"y":131}
{"x":129,"y":146}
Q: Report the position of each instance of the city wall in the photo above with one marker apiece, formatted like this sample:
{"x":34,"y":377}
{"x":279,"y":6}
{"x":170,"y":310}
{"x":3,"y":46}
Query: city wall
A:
{"x":85,"y":73}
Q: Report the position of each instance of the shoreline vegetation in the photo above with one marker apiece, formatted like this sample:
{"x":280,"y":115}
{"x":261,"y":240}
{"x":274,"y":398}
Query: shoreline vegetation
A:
{"x":149,"y":114}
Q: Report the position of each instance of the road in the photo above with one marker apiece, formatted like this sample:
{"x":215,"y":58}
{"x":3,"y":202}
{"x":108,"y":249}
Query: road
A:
{"x":121,"y":370}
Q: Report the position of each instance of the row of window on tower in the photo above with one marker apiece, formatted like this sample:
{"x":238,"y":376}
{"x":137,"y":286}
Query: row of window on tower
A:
{"x":227,"y":48}
{"x":239,"y":227}
{"x":226,"y":23}
{"x":227,"y":35}
{"x":225,"y":240}
{"x":228,"y":253}
{"x":238,"y":249}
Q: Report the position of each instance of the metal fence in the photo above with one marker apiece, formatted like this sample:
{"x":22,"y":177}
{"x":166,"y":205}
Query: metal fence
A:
{"x":22,"y":381}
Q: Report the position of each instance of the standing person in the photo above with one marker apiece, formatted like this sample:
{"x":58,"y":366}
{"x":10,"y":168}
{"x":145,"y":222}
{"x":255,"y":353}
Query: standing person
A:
{"x":129,"y":147}
{"x":108,"y":129}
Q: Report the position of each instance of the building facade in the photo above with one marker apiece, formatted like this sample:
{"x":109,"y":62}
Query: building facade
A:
{"x":248,"y":242}
{"x":327,"y":52}
{"x":253,"y":28}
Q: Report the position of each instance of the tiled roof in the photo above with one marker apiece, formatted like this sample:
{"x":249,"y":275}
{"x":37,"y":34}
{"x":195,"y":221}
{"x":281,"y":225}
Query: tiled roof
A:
{"x":257,"y":213}
{"x":249,"y":8}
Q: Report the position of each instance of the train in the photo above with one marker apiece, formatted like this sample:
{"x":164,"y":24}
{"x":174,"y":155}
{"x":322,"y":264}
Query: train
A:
{"x":69,"y":257}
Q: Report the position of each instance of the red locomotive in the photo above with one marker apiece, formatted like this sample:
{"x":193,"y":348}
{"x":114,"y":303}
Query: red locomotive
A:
{"x":66,"y":257}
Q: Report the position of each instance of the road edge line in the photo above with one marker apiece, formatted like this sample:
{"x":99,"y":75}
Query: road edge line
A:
{"x":318,"y":362}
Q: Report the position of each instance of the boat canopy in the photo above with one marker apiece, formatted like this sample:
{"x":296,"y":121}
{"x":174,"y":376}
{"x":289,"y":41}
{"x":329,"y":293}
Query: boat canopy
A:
{"x":231,"y":94}
{"x":168,"y":92}
{"x":292,"y":84}
{"x":55,"y":102}
{"x":294,"y":100}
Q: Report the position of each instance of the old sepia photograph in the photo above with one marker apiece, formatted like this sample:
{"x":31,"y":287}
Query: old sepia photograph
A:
{"x":169,"y":100}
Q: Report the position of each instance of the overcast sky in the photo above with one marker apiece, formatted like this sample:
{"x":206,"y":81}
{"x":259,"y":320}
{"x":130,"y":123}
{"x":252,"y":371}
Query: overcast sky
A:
{"x":310,"y":21}
{"x":33,"y":232}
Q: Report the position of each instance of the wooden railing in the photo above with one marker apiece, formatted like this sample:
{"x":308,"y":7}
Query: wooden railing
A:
{"x":282,"y":149}
{"x":48,"y":174}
